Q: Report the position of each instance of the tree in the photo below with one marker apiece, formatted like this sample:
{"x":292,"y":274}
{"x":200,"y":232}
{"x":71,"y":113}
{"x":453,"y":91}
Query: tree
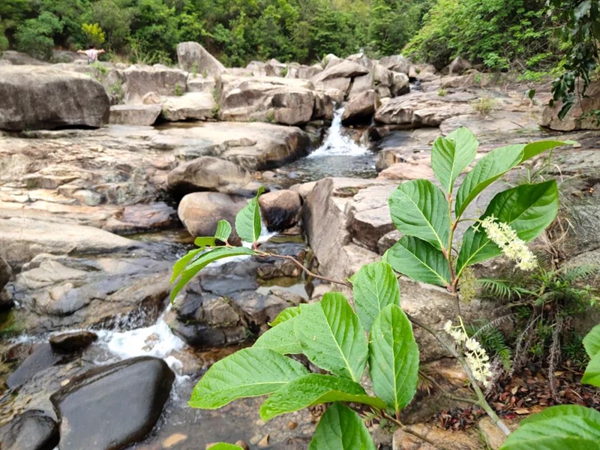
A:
{"x":35,"y":36}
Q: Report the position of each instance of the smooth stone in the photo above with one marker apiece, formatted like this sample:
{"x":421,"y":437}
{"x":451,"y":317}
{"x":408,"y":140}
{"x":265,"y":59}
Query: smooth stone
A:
{"x":138,"y":115}
{"x":72,"y":342}
{"x":42,"y":358}
{"x":32,"y":430}
{"x":280,"y":209}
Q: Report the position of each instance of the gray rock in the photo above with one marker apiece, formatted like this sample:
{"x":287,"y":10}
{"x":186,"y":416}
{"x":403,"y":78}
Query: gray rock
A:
{"x":201,"y":211}
{"x":114,"y":406}
{"x":74,"y":341}
{"x":396,"y":63}
{"x":5,"y":273}
{"x":192,"y":56}
{"x":201,"y":84}
{"x":36,"y":98}
{"x":339,"y":76}
{"x":458,"y":66}
{"x":139,"y":115}
{"x":42,"y":358}
{"x":21,"y":59}
{"x":280,"y":210}
{"x":361,"y":108}
{"x":140,"y":80}
{"x":32,"y":430}
{"x":190,"y":106}
{"x":574,"y":119}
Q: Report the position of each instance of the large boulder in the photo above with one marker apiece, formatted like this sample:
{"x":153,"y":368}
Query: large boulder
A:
{"x":36,"y":98}
{"x":578,"y":118}
{"x":280,"y":209}
{"x":21,"y":59}
{"x":140,"y":80}
{"x":339,"y":76}
{"x":302,"y":71}
{"x":32,"y":430}
{"x":361,"y":108}
{"x":458,"y":66}
{"x":201,"y":211}
{"x":211,"y":174}
{"x":396,"y":63}
{"x":5,"y":273}
{"x":194,"y":105}
{"x":137,"y":115}
{"x":193,"y":57}
{"x":112,"y":407}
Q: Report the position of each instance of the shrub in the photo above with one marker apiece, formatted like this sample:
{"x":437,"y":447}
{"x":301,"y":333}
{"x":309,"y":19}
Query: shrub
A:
{"x":93,"y":33}
{"x":34,"y":36}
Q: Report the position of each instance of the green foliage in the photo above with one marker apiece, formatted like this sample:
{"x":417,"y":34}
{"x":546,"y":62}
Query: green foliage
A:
{"x":592,"y":346}
{"x":178,"y":90}
{"x":93,"y":33}
{"x":484,"y":105}
{"x":35,"y":36}
{"x":248,"y":222}
{"x":340,"y":428}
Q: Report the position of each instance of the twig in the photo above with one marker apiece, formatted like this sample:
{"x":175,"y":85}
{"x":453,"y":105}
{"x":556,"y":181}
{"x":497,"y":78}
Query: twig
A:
{"x":409,"y":431}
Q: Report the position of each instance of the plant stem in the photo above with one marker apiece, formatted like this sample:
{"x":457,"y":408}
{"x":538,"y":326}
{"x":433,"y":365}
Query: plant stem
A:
{"x":481,"y":401}
{"x":408,"y":430}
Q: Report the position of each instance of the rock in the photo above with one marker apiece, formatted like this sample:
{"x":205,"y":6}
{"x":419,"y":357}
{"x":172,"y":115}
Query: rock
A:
{"x":74,"y":341}
{"x":324,"y":106}
{"x":280,"y":209}
{"x":212,"y":174}
{"x":152,"y":98}
{"x":201,"y":211}
{"x":21,"y":59}
{"x":458,"y":66}
{"x":174,"y":439}
{"x":573,"y":120}
{"x":339,"y":76}
{"x":360,"y":85}
{"x":303,"y":72}
{"x":423,"y":109}
{"x":400,"y":84}
{"x":396,"y":63}
{"x":141,"y":80}
{"x":330,"y":60}
{"x":201,"y":84}
{"x":361,"y":108}
{"x":32,"y":430}
{"x":494,"y":437}
{"x":274,"y":68}
{"x":5,"y":273}
{"x":47,"y":237}
{"x":293,"y":108}
{"x":448,"y":439}
{"x":137,"y":115}
{"x":142,"y":218}
{"x":45,"y":98}
{"x":42,"y":358}
{"x":195,"y":105}
{"x":113,"y":406}
{"x":192,"y":56}
{"x":87,"y":197}
{"x":406,"y":171}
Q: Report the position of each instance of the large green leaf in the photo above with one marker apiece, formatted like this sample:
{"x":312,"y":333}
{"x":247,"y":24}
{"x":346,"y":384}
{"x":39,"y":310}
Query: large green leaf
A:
{"x":571,"y":428}
{"x":591,"y":341}
{"x":183,"y":262}
{"x":394,"y":358}
{"x":340,"y":428}
{"x":250,"y":372}
{"x":202,"y":261}
{"x":528,"y":209}
{"x":281,"y":338}
{"x":592,"y":371}
{"x":375,"y":287}
{"x":248,"y":223}
{"x":287,"y":314}
{"x":332,"y":338}
{"x":535,"y":148}
{"x":223,"y":230}
{"x":420,"y":209}
{"x":419,"y":260}
{"x":315,"y":389}
{"x":451,"y":155}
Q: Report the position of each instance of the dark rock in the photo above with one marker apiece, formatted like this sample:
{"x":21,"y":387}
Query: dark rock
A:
{"x":280,"y":209}
{"x":42,"y":358}
{"x":71,"y":342}
{"x":18,"y":352}
{"x":5,"y":273}
{"x":112,"y":407}
{"x":32,"y":430}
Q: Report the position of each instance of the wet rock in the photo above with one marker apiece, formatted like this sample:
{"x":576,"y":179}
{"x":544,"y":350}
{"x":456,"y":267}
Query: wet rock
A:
{"x":18,"y":352}
{"x":32,"y":430}
{"x":209,"y":173}
{"x":458,"y":66}
{"x":193,"y":57}
{"x":280,"y":209}
{"x":5,"y":273}
{"x":139,"y":115}
{"x":190,"y":106}
{"x":46,"y":98}
{"x":575,"y":120}
{"x":143,"y":217}
{"x":42,"y":358}
{"x":140,"y":80}
{"x":113,"y":406}
{"x":361,"y":108}
{"x":72,"y":342}
{"x":201,"y":211}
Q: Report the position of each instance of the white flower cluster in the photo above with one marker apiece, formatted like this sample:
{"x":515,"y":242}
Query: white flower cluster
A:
{"x":475,"y":355}
{"x":511,"y":245}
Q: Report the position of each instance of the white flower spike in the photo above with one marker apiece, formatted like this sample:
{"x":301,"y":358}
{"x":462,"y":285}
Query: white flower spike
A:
{"x":512,"y":246}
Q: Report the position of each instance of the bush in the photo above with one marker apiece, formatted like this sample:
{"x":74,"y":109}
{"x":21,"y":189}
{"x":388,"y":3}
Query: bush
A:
{"x":93,"y":33}
{"x":34,"y":36}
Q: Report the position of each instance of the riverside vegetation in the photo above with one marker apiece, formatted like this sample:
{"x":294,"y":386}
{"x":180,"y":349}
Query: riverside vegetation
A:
{"x":332,"y":333}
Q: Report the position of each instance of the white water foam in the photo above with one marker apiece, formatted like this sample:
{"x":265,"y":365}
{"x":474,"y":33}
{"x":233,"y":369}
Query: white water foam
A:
{"x":336,"y":143}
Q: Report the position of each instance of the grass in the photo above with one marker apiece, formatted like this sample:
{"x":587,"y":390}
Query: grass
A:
{"x":442,"y":92}
{"x":178,"y":90}
{"x":484,"y":105}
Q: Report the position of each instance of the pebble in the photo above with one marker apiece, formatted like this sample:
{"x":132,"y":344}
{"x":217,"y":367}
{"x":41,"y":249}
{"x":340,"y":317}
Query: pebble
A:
{"x":292,"y":425}
{"x":174,"y":439}
{"x":242,"y":444}
{"x":264,"y":442}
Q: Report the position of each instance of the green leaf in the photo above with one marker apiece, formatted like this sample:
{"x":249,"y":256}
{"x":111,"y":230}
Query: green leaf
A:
{"x":375,"y":287}
{"x":528,"y":209}
{"x":205,"y":241}
{"x":557,"y":428}
{"x":280,"y":339}
{"x":340,"y":428}
{"x":248,"y":223}
{"x":225,"y":446}
{"x":315,"y":389}
{"x":420,"y":209}
{"x":591,"y":341}
{"x":394,"y":358}
{"x":332,"y":338}
{"x":183,"y":262}
{"x":419,"y":260}
{"x":487,"y":170}
{"x":250,"y":372}
{"x":451,"y":155}
{"x":205,"y":259}
{"x":286,"y":314}
{"x":535,"y":148}
{"x":223,"y":230}
{"x":592,"y":371}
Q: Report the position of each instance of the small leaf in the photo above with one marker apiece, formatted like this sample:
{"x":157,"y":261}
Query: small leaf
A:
{"x":205,"y":241}
{"x":419,"y":260}
{"x":332,"y":338}
{"x":315,"y":389}
{"x":192,"y":269}
{"x":394,"y":358}
{"x":250,"y":372}
{"x":591,"y":341}
{"x":225,"y":446}
{"x":340,"y":428}
{"x":420,"y":209}
{"x":451,"y":155}
{"x":248,"y":223}
{"x":223,"y":231}
{"x":592,"y":371}
{"x":183,"y":262}
{"x":375,"y":287}
{"x":280,"y":339}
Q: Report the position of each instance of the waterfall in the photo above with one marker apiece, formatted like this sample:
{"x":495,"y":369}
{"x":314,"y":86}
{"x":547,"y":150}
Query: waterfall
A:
{"x":336,"y":144}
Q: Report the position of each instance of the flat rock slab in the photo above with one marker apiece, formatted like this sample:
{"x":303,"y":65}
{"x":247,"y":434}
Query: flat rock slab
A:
{"x":138,"y":115}
{"x":191,"y":106}
{"x":114,"y":406}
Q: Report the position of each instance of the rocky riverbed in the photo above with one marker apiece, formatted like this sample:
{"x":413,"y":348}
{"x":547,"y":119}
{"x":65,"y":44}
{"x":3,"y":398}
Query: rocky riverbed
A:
{"x":97,"y":202}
